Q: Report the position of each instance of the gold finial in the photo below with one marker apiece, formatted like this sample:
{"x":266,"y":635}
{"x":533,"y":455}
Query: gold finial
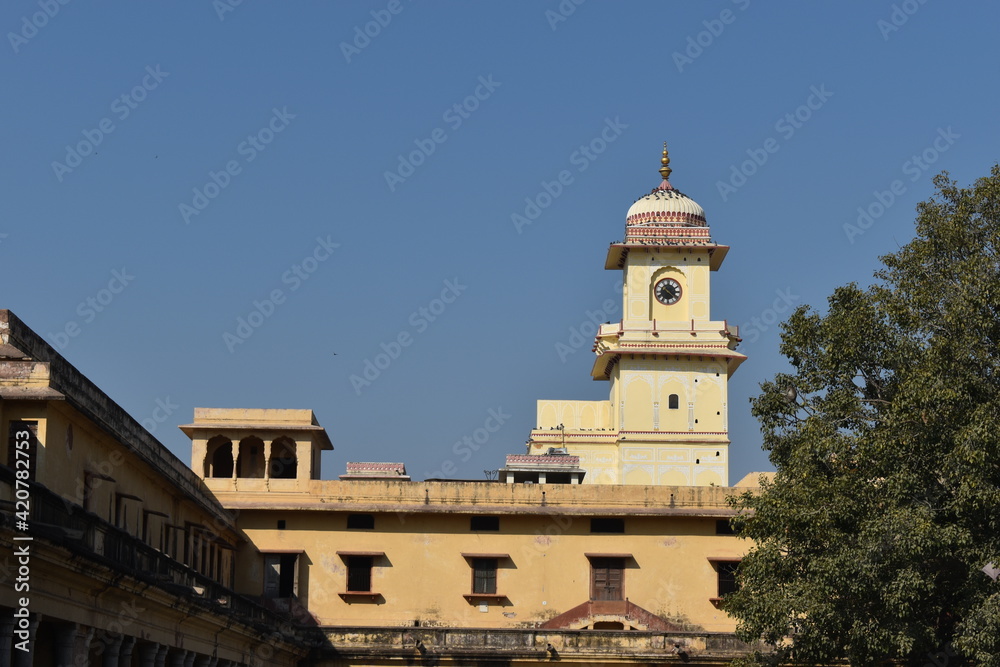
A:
{"x":665,"y":161}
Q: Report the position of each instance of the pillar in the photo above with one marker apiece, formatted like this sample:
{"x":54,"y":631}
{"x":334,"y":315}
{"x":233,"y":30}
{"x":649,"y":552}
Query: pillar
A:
{"x":125,"y":654}
{"x":199,"y":456}
{"x":6,"y":636}
{"x":147,"y":654}
{"x":161,"y":656}
{"x":178,"y":658}
{"x":303,"y":460}
{"x":19,"y":658}
{"x":112,"y":648}
{"x":73,"y":645}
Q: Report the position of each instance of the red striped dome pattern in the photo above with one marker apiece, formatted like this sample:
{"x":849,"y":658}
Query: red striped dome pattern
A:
{"x":666,"y":217}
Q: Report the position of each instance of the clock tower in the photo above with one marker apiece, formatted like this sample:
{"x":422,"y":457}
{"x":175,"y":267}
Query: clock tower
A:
{"x":666,"y":361}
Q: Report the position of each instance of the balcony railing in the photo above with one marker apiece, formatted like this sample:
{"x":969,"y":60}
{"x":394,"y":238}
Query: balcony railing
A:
{"x":65,"y":523}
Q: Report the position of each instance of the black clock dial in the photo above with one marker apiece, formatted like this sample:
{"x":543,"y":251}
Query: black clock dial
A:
{"x":668,"y":291}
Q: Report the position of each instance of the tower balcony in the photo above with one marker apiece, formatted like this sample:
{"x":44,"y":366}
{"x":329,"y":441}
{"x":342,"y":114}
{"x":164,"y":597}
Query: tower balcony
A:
{"x":658,"y":339}
{"x":657,"y":329}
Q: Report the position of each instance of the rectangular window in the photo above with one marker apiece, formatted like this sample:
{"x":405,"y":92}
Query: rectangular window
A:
{"x":281,"y":579}
{"x":484,"y":576}
{"x":484,"y":523}
{"x":359,"y":574}
{"x":360,"y":521}
{"x":607,"y":525}
{"x":723,"y":527}
{"x":727,"y":577}
{"x":607,"y":578}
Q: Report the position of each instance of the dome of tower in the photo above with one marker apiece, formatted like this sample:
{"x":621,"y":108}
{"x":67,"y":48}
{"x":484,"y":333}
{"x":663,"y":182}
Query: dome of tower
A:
{"x":667,"y":205}
{"x":666,"y":216}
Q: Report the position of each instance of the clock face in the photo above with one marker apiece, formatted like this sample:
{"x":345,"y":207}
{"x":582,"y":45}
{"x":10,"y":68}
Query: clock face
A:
{"x":668,"y":291}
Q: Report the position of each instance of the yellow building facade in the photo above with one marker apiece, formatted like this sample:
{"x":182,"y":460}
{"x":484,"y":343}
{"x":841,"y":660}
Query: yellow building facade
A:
{"x":667,"y":362}
{"x":112,"y":551}
{"x":607,"y":543}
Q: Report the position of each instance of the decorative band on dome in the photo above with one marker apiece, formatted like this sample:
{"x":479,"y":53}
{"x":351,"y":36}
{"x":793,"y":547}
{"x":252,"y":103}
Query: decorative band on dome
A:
{"x":683,"y":217}
{"x":637,"y":233}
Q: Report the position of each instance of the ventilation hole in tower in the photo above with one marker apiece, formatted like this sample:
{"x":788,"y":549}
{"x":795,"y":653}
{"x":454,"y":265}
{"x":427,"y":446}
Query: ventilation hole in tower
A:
{"x":697,"y":461}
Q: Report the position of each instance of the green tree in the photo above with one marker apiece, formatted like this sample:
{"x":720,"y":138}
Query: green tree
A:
{"x":872,"y":538}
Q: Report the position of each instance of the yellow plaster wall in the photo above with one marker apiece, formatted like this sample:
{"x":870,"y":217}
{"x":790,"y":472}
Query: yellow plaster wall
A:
{"x":644,"y":268}
{"x":423,"y":576}
{"x":574,"y":414}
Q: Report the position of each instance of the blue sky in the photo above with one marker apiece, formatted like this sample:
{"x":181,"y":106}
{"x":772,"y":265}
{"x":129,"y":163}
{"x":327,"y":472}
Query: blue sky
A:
{"x":169,"y":168}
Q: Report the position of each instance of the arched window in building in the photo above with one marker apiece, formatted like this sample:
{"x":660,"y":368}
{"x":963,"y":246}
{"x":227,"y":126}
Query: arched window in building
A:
{"x":250,"y":462}
{"x":673,"y":401}
{"x":219,"y":457}
{"x":283,"y":462}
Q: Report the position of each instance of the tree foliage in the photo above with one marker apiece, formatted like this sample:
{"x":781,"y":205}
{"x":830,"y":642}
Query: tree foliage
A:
{"x":872,"y":538}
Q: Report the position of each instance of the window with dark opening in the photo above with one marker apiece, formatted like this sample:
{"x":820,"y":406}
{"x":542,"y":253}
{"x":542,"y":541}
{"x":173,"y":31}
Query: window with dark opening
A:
{"x":607,"y":525}
{"x":280,"y":575}
{"x":723,"y":527}
{"x":484,"y":576}
{"x":220,"y":457}
{"x":727,"y":577}
{"x":283,"y":461}
{"x":361,"y":521}
{"x":359,"y":574}
{"x":673,"y":401}
{"x":484,"y":523}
